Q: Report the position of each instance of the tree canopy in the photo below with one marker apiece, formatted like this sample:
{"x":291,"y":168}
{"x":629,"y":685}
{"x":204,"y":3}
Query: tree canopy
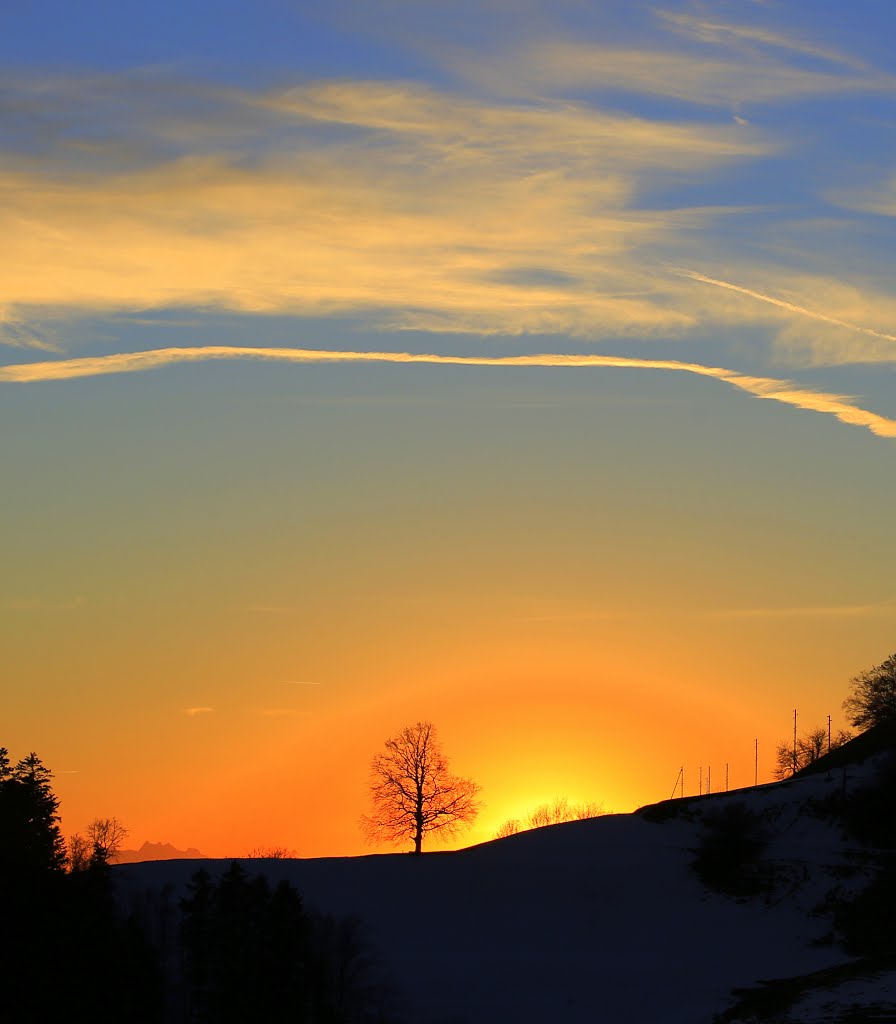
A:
{"x":873,"y":696}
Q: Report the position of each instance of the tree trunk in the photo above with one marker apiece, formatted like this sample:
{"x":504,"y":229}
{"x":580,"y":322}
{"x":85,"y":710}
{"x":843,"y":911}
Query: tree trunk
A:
{"x":418,"y":820}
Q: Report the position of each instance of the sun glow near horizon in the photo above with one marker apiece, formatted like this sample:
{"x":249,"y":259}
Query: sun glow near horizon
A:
{"x":528,"y":372}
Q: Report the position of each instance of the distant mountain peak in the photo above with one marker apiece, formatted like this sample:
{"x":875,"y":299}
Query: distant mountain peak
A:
{"x":157,"y":851}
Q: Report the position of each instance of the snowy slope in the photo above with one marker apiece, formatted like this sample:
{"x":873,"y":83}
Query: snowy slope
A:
{"x":598,"y":920}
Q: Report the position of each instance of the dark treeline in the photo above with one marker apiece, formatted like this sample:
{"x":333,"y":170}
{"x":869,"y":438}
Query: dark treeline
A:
{"x":66,"y":951}
{"x":231,"y":949}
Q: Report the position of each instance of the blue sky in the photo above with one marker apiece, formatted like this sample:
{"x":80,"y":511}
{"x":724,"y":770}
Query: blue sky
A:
{"x":436,"y":350}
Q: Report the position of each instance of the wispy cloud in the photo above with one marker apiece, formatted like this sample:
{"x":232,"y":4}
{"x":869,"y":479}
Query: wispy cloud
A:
{"x":276,"y":609}
{"x":728,"y":33}
{"x":720,"y":79}
{"x":33,"y":604}
{"x":417,"y":208}
{"x":883,"y":608}
{"x":426,"y":208}
{"x":301,"y":682}
{"x":878,"y":198}
{"x":193,"y":712}
{"x":19,"y":335}
{"x":842,"y":407}
{"x":789,"y":307}
{"x":456,"y":127}
{"x":599,"y":615}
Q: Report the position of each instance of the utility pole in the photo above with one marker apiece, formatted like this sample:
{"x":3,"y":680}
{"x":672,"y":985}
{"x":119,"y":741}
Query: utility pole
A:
{"x":726,"y":776}
{"x":680,"y":777}
{"x":794,"y":741}
{"x":756,"y":761}
{"x":709,"y":779}
{"x":829,"y":734}
{"x":701,"y":780}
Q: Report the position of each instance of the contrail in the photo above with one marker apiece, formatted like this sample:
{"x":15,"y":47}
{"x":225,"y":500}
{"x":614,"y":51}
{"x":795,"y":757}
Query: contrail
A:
{"x":843,"y":407}
{"x":789,"y":306}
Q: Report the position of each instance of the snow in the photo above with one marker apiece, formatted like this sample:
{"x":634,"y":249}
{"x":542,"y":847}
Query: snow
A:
{"x":865,"y":994}
{"x":598,"y":919}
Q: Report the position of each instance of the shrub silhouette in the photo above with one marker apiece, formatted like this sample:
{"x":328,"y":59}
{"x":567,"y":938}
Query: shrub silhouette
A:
{"x":728,"y":857}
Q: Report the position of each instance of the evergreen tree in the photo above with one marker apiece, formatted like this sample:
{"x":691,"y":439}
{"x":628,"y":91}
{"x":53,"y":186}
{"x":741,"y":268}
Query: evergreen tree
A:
{"x":289,"y":937}
{"x":68,"y":931}
{"x":31,"y":842}
{"x":197,"y":935}
{"x":244,"y":948}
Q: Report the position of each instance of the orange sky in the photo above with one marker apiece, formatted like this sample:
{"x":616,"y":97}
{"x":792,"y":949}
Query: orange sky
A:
{"x":528,"y":371}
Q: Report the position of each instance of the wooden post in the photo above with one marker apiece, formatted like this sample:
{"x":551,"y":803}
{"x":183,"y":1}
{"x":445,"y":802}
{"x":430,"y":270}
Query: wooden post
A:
{"x":794,"y":741}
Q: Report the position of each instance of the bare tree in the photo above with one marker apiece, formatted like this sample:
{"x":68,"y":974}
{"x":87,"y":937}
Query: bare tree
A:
{"x":105,"y":836}
{"x":414,"y":793}
{"x":873,"y":697}
{"x":809,"y":749}
{"x":549,"y":813}
{"x":271,"y":853}
{"x":552,"y":813}
{"x":588,"y":809}
{"x":509,"y":828}
{"x":78,"y":853}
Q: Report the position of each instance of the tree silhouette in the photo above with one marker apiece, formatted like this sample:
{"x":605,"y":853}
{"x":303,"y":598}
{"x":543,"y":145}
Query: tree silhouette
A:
{"x":556,"y":812}
{"x":251,"y":952}
{"x":105,"y":836}
{"x":873,"y":697}
{"x":65,"y":931}
{"x":809,"y":748}
{"x":30,"y":838}
{"x":78,"y":853}
{"x":272,"y":852}
{"x":414,"y":793}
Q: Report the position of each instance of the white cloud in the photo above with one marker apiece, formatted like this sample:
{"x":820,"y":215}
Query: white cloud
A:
{"x":842,"y":407}
{"x":194,"y":711}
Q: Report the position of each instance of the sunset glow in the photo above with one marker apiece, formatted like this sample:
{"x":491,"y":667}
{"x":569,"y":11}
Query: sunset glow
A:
{"x":533,"y":378}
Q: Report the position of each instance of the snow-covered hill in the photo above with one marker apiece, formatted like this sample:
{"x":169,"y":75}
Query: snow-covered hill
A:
{"x":604,"y":919}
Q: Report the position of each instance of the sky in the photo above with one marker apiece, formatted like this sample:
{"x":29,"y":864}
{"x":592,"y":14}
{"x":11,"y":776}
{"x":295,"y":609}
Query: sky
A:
{"x":524,"y":367}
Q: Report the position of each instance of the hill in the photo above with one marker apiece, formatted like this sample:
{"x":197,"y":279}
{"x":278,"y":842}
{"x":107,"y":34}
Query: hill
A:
{"x":879,"y":739}
{"x":608,"y":920}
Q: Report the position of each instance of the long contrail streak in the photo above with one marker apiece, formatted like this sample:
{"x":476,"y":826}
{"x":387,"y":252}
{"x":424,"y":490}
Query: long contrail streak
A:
{"x":841,"y":406}
{"x":791,"y":307}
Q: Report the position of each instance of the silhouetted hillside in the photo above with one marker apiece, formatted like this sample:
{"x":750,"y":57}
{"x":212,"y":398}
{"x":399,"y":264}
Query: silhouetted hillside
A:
{"x":734,"y":907}
{"x":879,"y":739}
